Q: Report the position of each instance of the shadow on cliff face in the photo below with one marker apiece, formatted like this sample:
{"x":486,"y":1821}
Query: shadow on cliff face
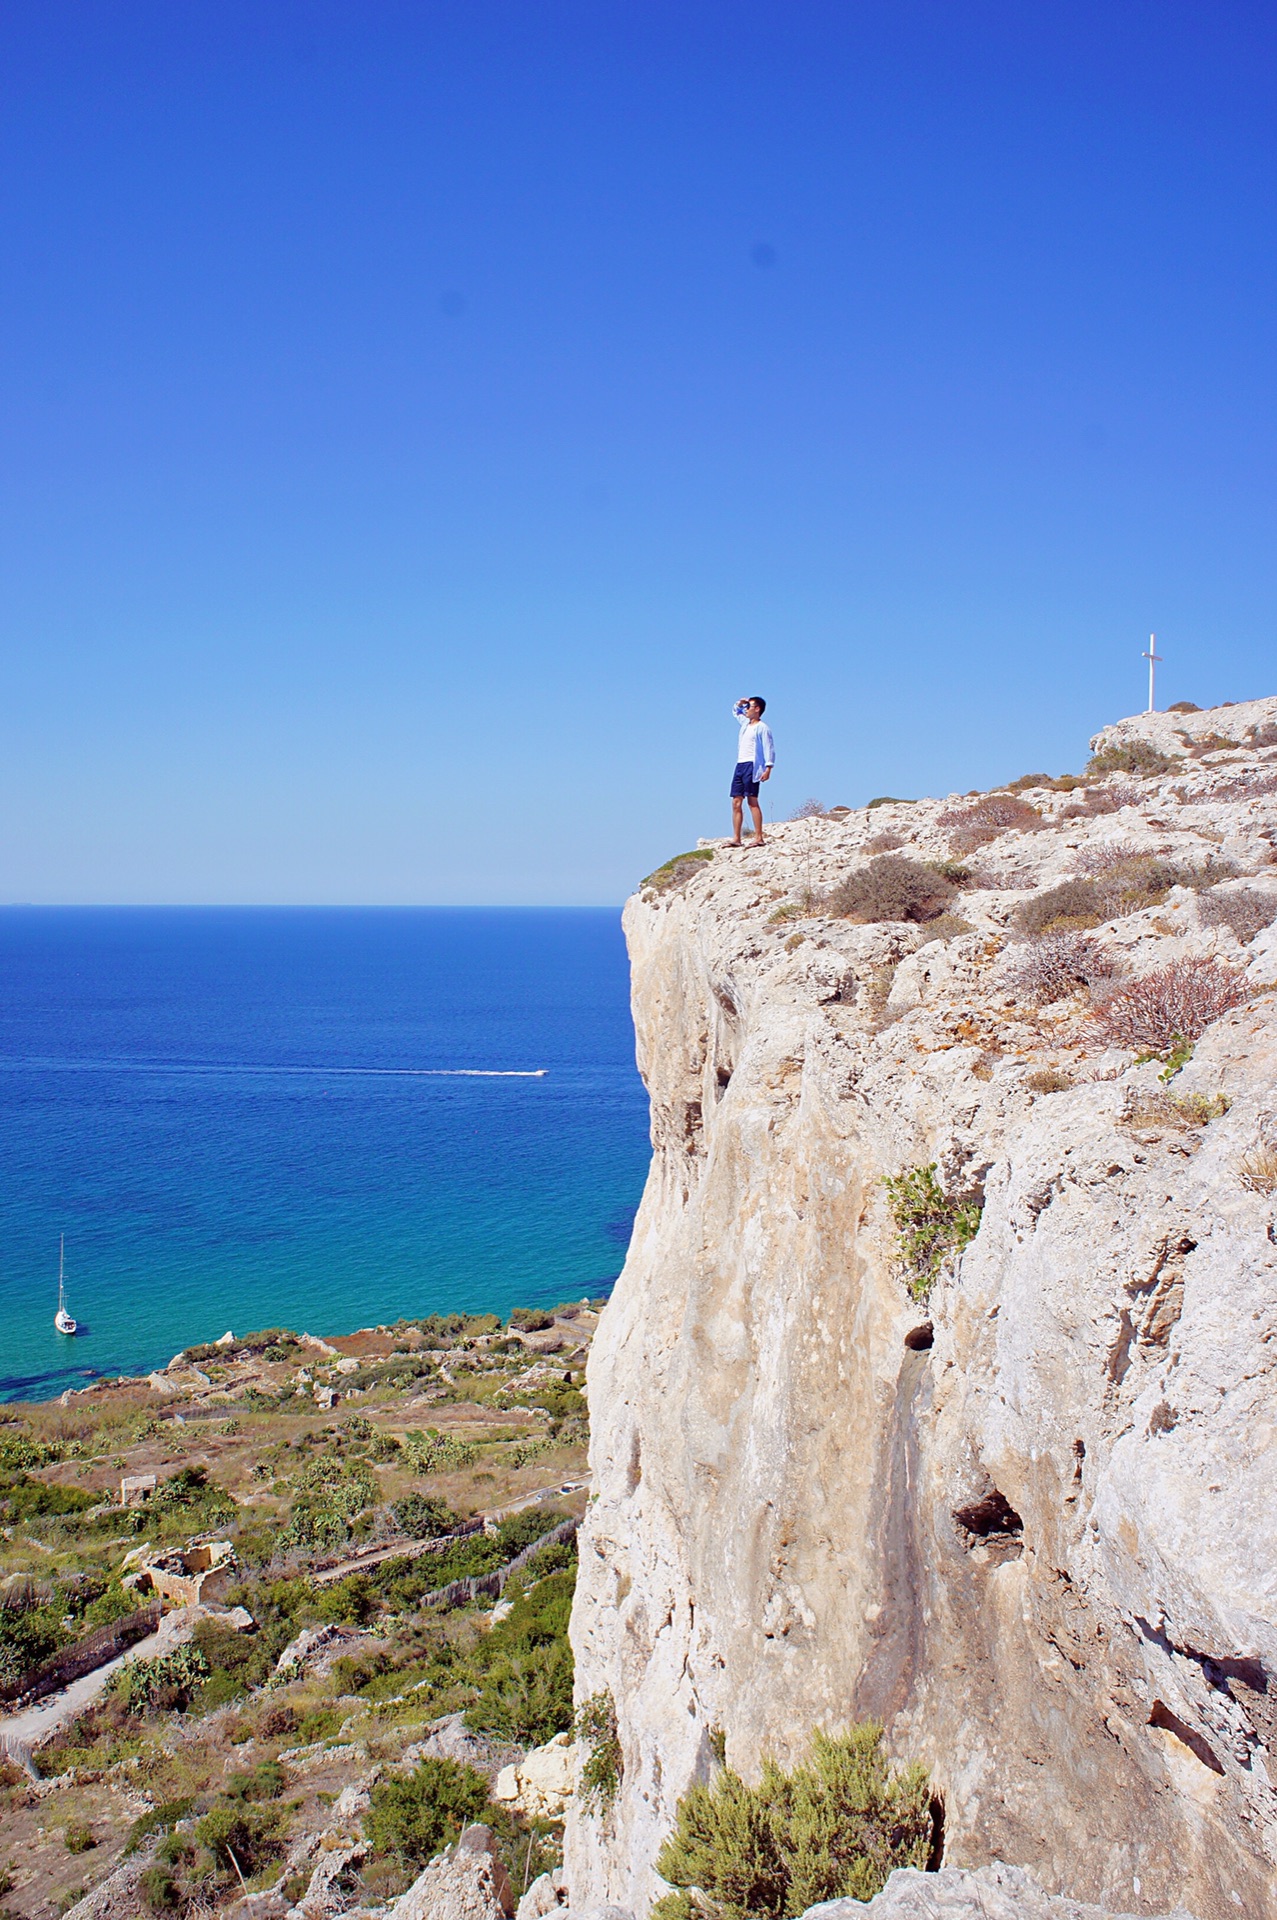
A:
{"x":887,"y":1677}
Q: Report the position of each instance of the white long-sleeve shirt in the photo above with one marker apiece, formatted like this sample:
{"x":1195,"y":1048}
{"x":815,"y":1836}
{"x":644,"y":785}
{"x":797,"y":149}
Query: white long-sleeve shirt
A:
{"x":756,"y":743}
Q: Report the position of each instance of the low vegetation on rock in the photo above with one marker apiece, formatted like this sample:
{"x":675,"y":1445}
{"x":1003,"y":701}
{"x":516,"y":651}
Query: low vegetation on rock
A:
{"x":1128,"y":756}
{"x":674,"y":872}
{"x":890,"y":887}
{"x":834,"y":1828}
{"x":1057,"y":965}
{"x":1245,"y":911}
{"x":930,"y":1227}
{"x":1171,"y":1004}
{"x":602,"y":1767}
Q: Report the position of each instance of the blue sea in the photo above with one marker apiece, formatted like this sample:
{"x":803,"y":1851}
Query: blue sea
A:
{"x":314,"y":1118}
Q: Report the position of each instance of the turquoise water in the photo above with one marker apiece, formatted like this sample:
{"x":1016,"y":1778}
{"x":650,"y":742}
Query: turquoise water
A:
{"x":313,"y":1118}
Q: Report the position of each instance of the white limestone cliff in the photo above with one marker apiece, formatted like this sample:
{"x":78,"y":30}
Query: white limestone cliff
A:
{"x":1088,"y":1664}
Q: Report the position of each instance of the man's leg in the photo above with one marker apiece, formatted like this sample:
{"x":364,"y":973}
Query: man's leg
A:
{"x":737,"y":816}
{"x":755,"y":807}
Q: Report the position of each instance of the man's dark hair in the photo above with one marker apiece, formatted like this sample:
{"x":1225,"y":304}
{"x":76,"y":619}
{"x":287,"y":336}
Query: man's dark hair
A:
{"x":756,"y":699}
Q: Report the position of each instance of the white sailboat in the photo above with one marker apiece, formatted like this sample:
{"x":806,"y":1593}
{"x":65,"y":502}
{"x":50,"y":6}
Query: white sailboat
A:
{"x":62,"y":1320}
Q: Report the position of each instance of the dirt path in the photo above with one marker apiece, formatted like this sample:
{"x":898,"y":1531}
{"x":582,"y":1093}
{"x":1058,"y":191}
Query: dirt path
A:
{"x":22,"y":1733}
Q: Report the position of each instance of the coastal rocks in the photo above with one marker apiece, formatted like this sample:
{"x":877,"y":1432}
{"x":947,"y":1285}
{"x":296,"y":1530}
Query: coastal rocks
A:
{"x":317,"y":1649}
{"x":1030,"y":1525}
{"x":547,"y":1894}
{"x":449,"y":1738}
{"x":118,"y":1897}
{"x":542,"y":1783}
{"x":330,"y":1854}
{"x":995,"y":1892}
{"x":466,"y":1883}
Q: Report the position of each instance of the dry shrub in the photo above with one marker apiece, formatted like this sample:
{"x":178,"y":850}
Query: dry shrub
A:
{"x":1144,"y":880}
{"x":1258,"y":1171}
{"x":890,"y":888}
{"x":1106,"y":855}
{"x":1048,"y":1080}
{"x":1057,"y":965}
{"x":1173,"y":1003}
{"x":947,"y":926}
{"x":873,"y":996}
{"x":1158,"y":1109}
{"x":884,"y":843}
{"x":1071,"y":907}
{"x":1262,"y":736}
{"x":1208,"y":743}
{"x":1245,"y":912}
{"x":1099,"y":800}
{"x":1183,"y":706}
{"x":1243,"y":785}
{"x":1128,"y":756}
{"x":990,"y":815}
{"x":1123,"y":882}
{"x":809,"y":810}
{"x":1046,"y":782}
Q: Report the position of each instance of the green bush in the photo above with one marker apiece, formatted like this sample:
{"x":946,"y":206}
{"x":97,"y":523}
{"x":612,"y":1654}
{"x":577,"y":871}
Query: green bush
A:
{"x":238,"y":1829}
{"x":22,"y":1498}
{"x":265,"y":1781}
{"x":313,"y":1526}
{"x":348,"y":1487}
{"x":522,"y":1528}
{"x":189,"y":1490}
{"x":676,"y":872}
{"x":167,"y":1682}
{"x":1119,"y":882}
{"x":20,"y":1450}
{"x":416,"y":1816}
{"x":432,"y":1452}
{"x":28,"y":1638}
{"x":1071,"y":907}
{"x":929,"y":1226}
{"x":523,"y":1668}
{"x":77,"y":1837}
{"x":531,"y":1319}
{"x":242,"y":1660}
{"x":1131,"y":756}
{"x":351,"y":1602}
{"x":159,"y":1819}
{"x":159,"y":1890}
{"x":596,"y":1730}
{"x":424,"y":1517}
{"x":832,"y":1829}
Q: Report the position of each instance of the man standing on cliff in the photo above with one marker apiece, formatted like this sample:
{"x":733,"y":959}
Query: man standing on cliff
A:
{"x":755,"y":758}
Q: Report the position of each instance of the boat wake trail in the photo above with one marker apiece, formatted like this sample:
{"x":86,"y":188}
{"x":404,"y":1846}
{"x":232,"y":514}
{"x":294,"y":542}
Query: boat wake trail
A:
{"x":237,"y":1067}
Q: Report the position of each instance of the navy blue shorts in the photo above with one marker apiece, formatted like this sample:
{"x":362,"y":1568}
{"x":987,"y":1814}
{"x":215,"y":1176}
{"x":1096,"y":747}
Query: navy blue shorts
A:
{"x":744,"y":784}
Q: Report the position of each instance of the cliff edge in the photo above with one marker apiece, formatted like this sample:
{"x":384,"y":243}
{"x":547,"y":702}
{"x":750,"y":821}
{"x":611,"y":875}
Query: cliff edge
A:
{"x":1027,"y":1521}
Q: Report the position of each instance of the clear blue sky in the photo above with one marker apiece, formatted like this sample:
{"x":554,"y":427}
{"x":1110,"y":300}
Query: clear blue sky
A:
{"x":421,"y":420}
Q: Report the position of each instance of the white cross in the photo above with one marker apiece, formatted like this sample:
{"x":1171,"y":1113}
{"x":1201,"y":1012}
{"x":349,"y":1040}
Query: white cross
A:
{"x":1152,"y":658}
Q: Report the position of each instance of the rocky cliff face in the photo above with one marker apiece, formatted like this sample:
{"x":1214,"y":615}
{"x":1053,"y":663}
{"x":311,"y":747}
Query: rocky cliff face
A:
{"x":1031,"y":1526}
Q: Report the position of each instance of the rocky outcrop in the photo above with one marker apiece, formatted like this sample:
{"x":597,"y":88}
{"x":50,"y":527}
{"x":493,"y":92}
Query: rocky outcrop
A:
{"x":540,"y":1785}
{"x":466,"y":1883}
{"x":449,"y":1738}
{"x":990,"y":1893}
{"x":1030,"y":1525}
{"x":548,"y":1894}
